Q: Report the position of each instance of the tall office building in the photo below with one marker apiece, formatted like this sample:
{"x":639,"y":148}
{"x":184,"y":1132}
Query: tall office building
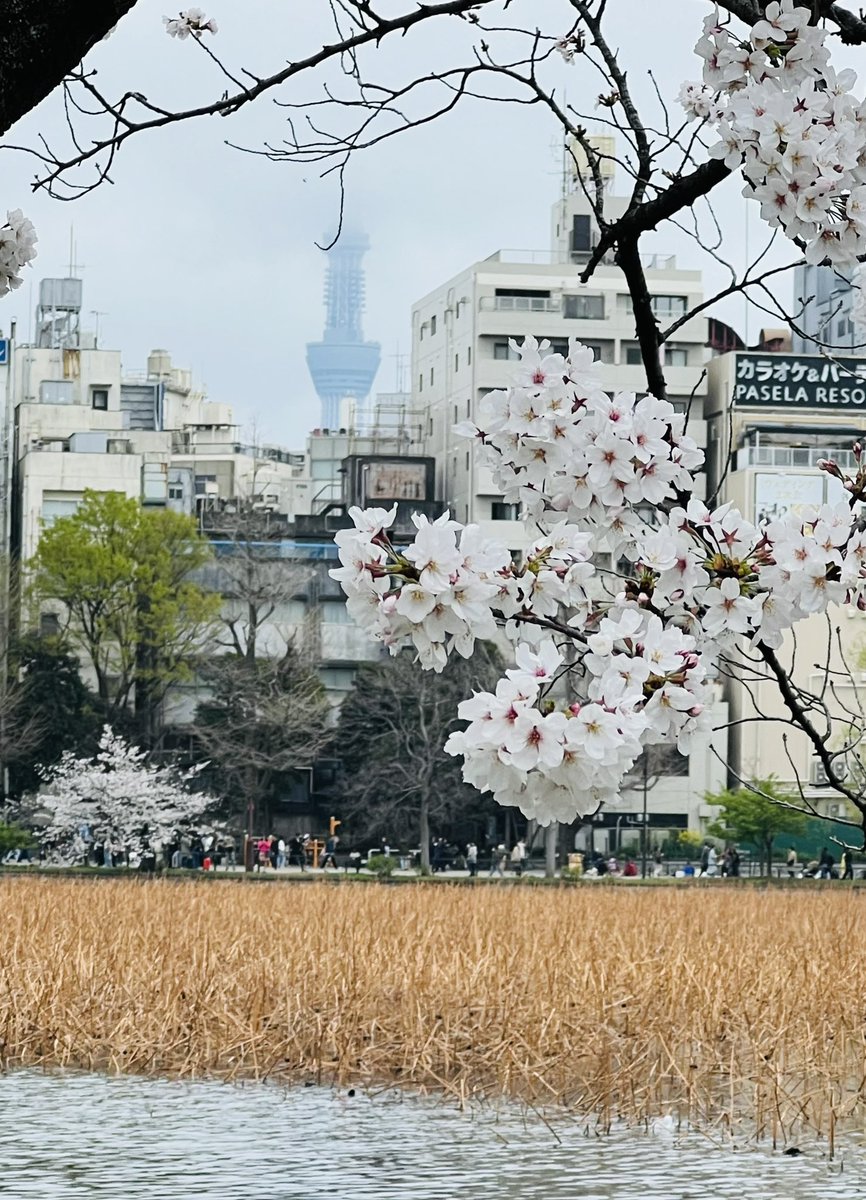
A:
{"x":342,"y":364}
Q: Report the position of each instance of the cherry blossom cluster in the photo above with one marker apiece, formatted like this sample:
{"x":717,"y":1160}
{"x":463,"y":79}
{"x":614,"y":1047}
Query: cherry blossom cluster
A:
{"x":628,"y":594}
{"x":192,"y":21}
{"x":17,"y":242}
{"x":793,"y":125}
{"x":119,"y":795}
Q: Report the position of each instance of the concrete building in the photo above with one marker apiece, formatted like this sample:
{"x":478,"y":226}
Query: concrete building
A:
{"x":770,"y":418}
{"x":461,"y":333}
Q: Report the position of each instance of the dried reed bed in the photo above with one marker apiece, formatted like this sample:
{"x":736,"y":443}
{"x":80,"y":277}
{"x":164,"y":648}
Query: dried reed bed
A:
{"x":730,"y":1009}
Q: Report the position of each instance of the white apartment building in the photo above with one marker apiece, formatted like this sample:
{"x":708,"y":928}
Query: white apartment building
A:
{"x":461,"y":335}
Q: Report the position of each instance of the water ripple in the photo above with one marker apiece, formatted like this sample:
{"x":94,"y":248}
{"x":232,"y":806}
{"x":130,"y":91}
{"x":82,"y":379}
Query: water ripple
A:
{"x":78,"y":1135}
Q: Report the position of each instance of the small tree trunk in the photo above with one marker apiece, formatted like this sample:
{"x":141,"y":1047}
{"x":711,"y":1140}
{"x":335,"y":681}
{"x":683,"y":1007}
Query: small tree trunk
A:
{"x":550,"y":838}
{"x":424,"y":833}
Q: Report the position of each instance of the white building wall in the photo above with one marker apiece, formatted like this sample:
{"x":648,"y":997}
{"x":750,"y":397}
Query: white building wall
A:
{"x":460,"y":336}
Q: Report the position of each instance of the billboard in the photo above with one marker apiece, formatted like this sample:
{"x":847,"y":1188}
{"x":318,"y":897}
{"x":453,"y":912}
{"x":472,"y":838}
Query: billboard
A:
{"x":778,"y":494}
{"x":395,"y":480}
{"x":804,"y":381}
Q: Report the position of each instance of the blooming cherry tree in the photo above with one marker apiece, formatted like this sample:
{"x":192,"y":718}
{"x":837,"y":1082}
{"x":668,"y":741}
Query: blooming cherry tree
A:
{"x":629,"y":597}
{"x":118,"y":794}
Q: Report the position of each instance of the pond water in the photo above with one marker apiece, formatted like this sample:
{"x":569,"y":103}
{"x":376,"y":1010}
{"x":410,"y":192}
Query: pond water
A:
{"x":77,"y":1135}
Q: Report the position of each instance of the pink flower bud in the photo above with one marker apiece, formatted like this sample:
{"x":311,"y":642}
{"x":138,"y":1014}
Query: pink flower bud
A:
{"x":696,"y":711}
{"x":574,"y":709}
{"x":858,"y":450}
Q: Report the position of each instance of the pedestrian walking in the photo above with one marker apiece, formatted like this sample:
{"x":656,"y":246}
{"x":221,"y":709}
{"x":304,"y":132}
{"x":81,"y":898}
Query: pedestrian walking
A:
{"x":518,"y":856}
{"x":498,"y":855}
{"x":847,"y":864}
{"x":438,"y":861}
{"x":705,"y":857}
{"x":330,"y":855}
{"x":472,"y":859}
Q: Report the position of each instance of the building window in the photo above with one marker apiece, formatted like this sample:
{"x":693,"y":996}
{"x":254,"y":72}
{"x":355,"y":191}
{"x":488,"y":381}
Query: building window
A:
{"x":676,"y":356}
{"x":500,"y":511}
{"x":841,"y":326}
{"x":53,"y":510}
{"x":456,"y":418}
{"x":469,"y":356}
{"x":633,"y":356}
{"x":421,"y":382}
{"x":468,"y":408}
{"x":581,"y":233}
{"x":669,"y":306}
{"x":432,"y":326}
{"x":334,"y":612}
{"x":175,"y":491}
{"x":431,"y":376}
{"x":49,"y":624}
{"x":585,"y":308}
{"x":421,"y":332}
{"x":99,"y":398}
{"x":429,"y":426}
{"x":467,"y":460}
{"x":505,"y":350}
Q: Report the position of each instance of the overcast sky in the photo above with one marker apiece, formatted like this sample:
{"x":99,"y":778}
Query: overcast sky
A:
{"x":209,"y":252}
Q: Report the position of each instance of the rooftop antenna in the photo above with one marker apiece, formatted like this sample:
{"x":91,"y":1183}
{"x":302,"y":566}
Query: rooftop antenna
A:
{"x":74,"y":267}
{"x":399,"y":368}
{"x":95,"y":312}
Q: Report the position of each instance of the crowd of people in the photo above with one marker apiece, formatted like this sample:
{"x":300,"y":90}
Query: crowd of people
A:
{"x":210,"y":851}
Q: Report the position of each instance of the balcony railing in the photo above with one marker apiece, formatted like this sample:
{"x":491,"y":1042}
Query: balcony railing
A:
{"x":542,"y":304}
{"x":793,"y":456}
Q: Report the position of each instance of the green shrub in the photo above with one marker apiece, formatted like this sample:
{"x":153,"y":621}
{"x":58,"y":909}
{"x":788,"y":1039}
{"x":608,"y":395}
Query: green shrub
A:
{"x":15,"y":837}
{"x":382,"y":865}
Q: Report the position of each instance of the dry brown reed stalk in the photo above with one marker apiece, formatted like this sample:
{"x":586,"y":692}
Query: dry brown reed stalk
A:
{"x":740,"y":1012}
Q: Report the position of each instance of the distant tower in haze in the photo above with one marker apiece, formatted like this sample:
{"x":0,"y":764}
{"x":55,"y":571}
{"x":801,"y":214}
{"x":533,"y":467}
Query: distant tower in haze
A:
{"x":342,"y":364}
